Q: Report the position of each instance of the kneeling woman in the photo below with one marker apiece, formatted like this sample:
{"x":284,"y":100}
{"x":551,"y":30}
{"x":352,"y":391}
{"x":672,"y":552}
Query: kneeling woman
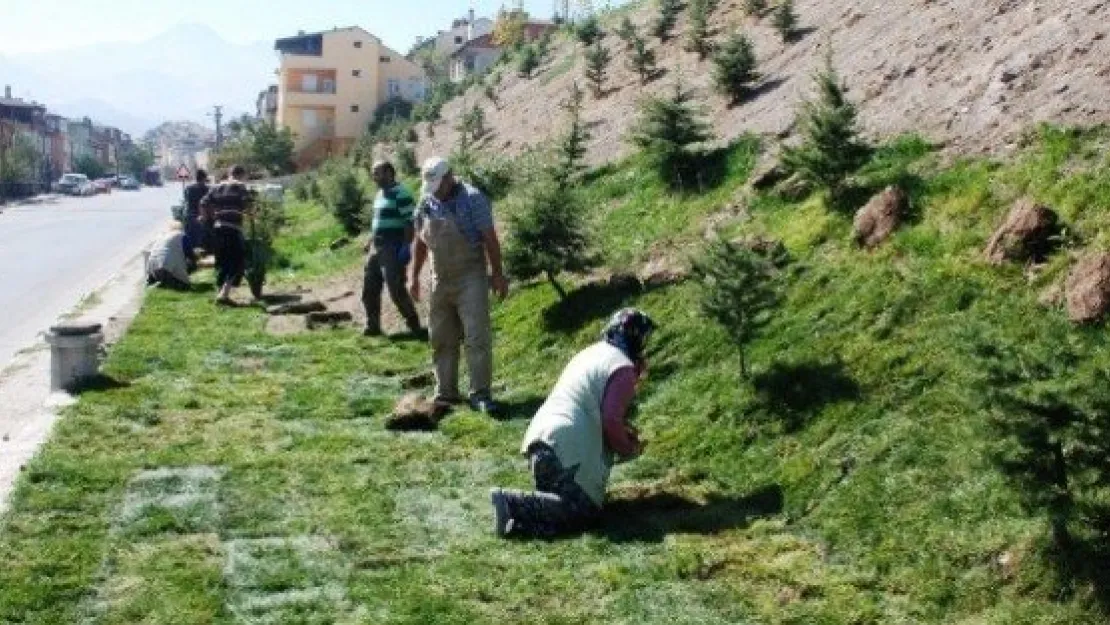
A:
{"x":577,"y":435}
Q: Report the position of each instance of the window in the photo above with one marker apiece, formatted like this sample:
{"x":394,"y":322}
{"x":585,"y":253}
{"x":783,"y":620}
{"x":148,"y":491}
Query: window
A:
{"x":309,"y":119}
{"x":354,"y":108}
{"x":358,"y":44}
{"x":309,"y":83}
{"x":384,"y":59}
{"x":394,"y":87}
{"x":356,"y":73}
{"x":458,"y":41}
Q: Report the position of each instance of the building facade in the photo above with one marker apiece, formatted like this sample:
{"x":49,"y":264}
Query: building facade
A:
{"x":330,"y":84}
{"x":266,"y":107}
{"x":475,"y":57}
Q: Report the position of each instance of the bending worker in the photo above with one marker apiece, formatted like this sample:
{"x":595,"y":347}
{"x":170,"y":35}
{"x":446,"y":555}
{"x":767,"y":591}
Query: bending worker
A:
{"x":454,"y":224}
{"x":579,"y":432}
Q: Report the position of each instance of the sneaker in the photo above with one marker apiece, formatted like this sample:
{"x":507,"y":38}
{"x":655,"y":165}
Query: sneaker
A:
{"x":484,"y":403}
{"x":502,"y":521}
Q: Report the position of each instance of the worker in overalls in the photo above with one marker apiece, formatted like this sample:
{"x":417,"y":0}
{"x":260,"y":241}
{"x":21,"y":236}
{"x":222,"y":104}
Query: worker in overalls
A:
{"x":454,"y":224}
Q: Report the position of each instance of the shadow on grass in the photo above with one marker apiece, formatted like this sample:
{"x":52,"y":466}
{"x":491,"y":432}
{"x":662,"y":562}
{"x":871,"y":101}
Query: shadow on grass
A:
{"x":98,"y":383}
{"x":652,"y":518}
{"x":796,"y":392}
{"x":760,"y":90}
{"x":799,"y":34}
{"x":518,"y":408}
{"x":592,"y":302}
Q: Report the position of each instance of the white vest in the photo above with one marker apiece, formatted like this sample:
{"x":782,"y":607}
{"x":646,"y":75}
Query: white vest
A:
{"x":570,"y":420}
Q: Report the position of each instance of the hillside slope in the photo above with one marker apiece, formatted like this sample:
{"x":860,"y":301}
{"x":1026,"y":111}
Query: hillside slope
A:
{"x":970,"y":75}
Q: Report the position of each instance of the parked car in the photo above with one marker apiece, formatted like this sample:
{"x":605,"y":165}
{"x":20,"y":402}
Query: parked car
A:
{"x":103,"y":185}
{"x":71,"y":184}
{"x":127,"y":183}
{"x":88,"y":188}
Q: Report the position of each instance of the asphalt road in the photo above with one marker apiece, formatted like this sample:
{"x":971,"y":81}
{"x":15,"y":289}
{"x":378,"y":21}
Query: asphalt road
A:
{"x":58,"y":250}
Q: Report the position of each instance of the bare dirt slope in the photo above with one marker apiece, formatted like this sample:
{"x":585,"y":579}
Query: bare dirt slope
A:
{"x":970,"y":74}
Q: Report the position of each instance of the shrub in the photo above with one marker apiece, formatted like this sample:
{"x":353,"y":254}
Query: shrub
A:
{"x":472,"y":124}
{"x":588,"y":30}
{"x":668,"y":15}
{"x":528,"y":61}
{"x":785,"y":20}
{"x":346,"y":193}
{"x":666,"y":129}
{"x":698,"y":33}
{"x":548,"y":235}
{"x":597,"y":62}
{"x":571,"y":148}
{"x":831,"y":148}
{"x":406,"y":159}
{"x":737,"y":289}
{"x":734,"y":67}
{"x":642,"y":60}
{"x":627,"y":32}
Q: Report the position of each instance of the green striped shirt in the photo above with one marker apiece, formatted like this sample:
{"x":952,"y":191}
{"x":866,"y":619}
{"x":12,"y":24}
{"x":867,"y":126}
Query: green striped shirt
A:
{"x":393,"y":209}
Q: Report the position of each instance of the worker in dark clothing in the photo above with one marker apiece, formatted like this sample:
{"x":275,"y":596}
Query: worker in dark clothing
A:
{"x":228,"y":202}
{"x":196,"y":230}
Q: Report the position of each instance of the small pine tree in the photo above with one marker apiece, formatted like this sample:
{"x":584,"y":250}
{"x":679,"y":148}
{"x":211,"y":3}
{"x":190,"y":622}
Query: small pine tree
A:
{"x":571,"y":148}
{"x":491,"y":94}
{"x":472,"y":125}
{"x":734,"y":67}
{"x":406,"y":159}
{"x":737,"y":290}
{"x":548,"y":235}
{"x":785,"y":20}
{"x":642,"y":60}
{"x":666,"y":129}
{"x":597,"y":62}
{"x":627,"y":32}
{"x":588,"y":30}
{"x":345,"y":193}
{"x":755,"y":8}
{"x":698,"y":30}
{"x":528,"y":61}
{"x":668,"y":15}
{"x":831,"y":148}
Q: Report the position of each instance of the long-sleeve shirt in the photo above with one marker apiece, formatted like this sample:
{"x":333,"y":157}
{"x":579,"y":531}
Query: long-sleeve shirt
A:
{"x":619,"y":394}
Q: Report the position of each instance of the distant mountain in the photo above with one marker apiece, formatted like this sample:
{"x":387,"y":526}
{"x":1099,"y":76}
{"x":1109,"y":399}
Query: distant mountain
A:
{"x":180,"y":132}
{"x":179,"y":74}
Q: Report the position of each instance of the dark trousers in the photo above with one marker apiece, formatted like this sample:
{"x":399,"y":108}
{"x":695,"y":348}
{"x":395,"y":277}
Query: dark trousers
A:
{"x":231,"y":255}
{"x":384,"y":268}
{"x":165,"y":279}
{"x":558,"y":506}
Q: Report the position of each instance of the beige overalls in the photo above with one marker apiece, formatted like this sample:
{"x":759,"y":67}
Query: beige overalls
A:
{"x":459,"y":308}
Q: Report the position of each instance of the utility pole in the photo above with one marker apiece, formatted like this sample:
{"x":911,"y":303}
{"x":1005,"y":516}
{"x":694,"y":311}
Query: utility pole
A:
{"x":218,"y":115}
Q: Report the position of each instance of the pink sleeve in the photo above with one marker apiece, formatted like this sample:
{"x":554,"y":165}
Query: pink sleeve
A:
{"x":619,"y":392}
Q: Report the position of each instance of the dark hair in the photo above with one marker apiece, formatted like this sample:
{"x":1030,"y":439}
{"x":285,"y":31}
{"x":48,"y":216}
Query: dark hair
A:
{"x":386,"y":166}
{"x":238,"y":171}
{"x":202,"y":176}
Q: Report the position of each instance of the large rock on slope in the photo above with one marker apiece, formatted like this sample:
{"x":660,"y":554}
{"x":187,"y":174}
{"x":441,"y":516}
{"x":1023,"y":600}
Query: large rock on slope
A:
{"x":880,"y":217}
{"x":1088,"y":288}
{"x":1028,"y":234}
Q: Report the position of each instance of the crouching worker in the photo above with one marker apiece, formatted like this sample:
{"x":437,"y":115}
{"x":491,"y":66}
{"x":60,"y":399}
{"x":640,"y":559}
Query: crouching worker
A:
{"x":171,"y":260}
{"x":578,"y":433}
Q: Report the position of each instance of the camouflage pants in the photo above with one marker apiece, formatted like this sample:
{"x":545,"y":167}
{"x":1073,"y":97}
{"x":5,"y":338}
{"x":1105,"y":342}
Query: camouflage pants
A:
{"x":558,"y":506}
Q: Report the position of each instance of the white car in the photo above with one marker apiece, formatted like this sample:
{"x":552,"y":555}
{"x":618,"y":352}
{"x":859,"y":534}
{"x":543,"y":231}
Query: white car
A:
{"x":71,"y":184}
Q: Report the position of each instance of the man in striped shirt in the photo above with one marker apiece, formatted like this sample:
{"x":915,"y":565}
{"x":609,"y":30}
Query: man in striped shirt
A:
{"x":391,"y":235}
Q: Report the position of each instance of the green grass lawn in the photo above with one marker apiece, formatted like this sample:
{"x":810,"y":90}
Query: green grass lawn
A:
{"x":234,"y":477}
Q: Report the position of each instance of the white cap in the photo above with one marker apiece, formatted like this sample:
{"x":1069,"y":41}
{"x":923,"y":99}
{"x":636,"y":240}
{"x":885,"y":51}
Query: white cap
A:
{"x":433,"y":173}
